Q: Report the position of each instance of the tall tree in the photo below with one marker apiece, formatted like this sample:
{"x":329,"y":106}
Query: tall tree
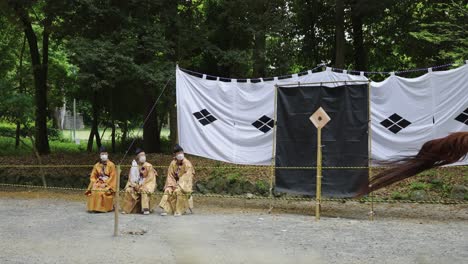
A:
{"x":442,"y":26}
{"x":20,"y":89}
{"x":260,"y":9}
{"x":22,"y":10}
{"x":339,"y":34}
{"x":357,"y":20}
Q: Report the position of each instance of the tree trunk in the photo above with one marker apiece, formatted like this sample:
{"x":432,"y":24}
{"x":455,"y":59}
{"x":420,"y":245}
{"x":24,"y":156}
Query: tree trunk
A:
{"x":123,"y":140}
{"x":162,"y":120}
{"x":94,"y":127}
{"x":171,"y":29}
{"x":103,"y":132}
{"x":360,"y":56}
{"x":259,"y":60}
{"x":89,"y":148}
{"x":151,"y":137}
{"x":173,"y":137}
{"x":17,"y":134}
{"x":96,"y":124}
{"x":112,"y":123}
{"x":309,"y":19}
{"x":113,"y":136}
{"x":339,"y":34}
{"x":40,"y":75}
{"x":21,"y":90}
{"x":39,"y":160}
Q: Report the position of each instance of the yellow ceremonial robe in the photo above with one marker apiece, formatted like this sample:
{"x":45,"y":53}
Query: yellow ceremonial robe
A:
{"x":137,"y":195}
{"x":178,"y":187}
{"x":101,"y":188}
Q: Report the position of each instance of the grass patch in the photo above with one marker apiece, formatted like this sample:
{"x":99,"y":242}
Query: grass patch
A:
{"x":420,"y":186}
{"x":60,"y":141}
{"x":7,"y":147}
{"x":399,"y":196}
{"x":234,"y":177}
{"x":83,"y":134}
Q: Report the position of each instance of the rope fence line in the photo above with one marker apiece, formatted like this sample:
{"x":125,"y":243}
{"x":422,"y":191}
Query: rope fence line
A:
{"x":323,"y":65}
{"x":217,"y":167}
{"x":255,"y":197}
{"x":198,"y":167}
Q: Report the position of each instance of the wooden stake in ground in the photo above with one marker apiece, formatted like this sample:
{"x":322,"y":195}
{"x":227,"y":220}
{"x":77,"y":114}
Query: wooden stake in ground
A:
{"x":319,"y":118}
{"x":117,"y":203}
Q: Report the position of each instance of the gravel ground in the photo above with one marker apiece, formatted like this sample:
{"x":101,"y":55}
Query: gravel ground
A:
{"x":58,"y":230}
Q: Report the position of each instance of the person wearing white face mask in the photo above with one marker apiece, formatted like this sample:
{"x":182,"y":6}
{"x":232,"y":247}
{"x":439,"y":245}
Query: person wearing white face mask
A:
{"x":177,"y":198}
{"x":102,"y":185}
{"x":140,"y":185}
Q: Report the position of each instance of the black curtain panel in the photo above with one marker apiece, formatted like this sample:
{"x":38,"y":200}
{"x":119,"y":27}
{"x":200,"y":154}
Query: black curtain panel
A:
{"x":344,"y":139}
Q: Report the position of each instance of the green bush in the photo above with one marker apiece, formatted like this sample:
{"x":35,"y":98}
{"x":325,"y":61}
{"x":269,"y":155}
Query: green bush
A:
{"x":399,"y":196}
{"x":262,"y":187}
{"x":234,"y":177}
{"x":54,"y":134}
{"x":420,"y":186}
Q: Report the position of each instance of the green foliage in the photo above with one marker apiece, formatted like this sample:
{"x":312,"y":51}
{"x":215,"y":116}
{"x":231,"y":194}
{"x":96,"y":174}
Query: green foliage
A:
{"x":117,"y":55}
{"x":15,"y":107}
{"x":399,"y":196}
{"x":262,"y":187}
{"x":54,"y":134}
{"x":7,"y":147}
{"x":234,"y":177}
{"x":420,"y":186}
{"x":444,"y":26}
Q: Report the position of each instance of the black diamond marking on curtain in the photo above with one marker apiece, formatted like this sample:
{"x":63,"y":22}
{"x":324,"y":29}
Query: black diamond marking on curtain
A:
{"x":204,"y":117}
{"x":264,"y":124}
{"x":395,"y":123}
{"x":463,"y":117}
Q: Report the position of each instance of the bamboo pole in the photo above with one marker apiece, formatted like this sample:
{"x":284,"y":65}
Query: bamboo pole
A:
{"x":117,"y":203}
{"x":309,"y":83}
{"x":74,"y":120}
{"x":273,"y":151}
{"x":369,"y":138}
{"x":318,"y":194}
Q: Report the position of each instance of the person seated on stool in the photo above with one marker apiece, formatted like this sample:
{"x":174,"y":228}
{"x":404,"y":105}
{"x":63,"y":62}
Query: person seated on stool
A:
{"x":178,"y":188}
{"x":101,"y":188}
{"x":140,"y":185}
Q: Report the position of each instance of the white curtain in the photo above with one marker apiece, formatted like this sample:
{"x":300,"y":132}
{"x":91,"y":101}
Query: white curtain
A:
{"x":433,"y":105}
{"x":231,"y":121}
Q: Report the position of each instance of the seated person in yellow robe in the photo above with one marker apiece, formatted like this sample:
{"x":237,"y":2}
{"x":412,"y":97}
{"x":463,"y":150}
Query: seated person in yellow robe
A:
{"x":178,"y":188}
{"x":141,"y":184}
{"x":100,"y":192}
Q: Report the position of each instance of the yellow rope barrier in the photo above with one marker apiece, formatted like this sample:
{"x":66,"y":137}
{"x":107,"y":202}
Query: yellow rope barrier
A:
{"x":342,"y":200}
{"x":214,"y":167}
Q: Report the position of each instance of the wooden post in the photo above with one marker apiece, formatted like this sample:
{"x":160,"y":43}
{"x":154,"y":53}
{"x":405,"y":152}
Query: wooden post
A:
{"x":273,"y":150}
{"x":319,"y":118}
{"x":369,"y":161}
{"x":117,"y":203}
{"x":318,"y":193}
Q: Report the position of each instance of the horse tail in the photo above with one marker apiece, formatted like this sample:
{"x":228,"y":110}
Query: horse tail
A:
{"x":434,"y":153}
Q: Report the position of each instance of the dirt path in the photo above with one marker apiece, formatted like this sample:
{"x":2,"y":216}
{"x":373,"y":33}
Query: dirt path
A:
{"x":46,"y":230}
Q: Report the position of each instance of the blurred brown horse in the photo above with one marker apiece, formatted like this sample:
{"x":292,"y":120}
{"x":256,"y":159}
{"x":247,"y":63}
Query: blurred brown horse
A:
{"x":434,"y":153}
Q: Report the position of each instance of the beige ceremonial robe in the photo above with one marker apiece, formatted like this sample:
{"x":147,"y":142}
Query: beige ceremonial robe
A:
{"x":101,"y":188}
{"x":178,"y":187}
{"x":137,"y":195}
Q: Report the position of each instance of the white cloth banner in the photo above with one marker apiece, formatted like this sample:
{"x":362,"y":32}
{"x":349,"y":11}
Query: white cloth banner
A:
{"x":232,"y":121}
{"x":406,"y":112}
